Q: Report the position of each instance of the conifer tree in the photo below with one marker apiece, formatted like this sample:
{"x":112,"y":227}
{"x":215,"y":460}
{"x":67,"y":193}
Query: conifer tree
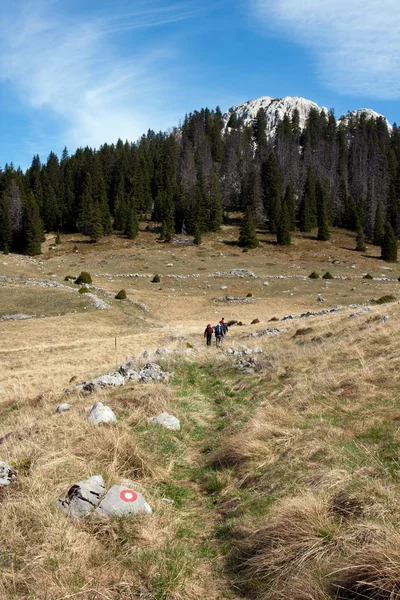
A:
{"x":379,"y":228}
{"x":389,"y":244}
{"x":197,"y":235}
{"x":323,"y":227}
{"x":216,"y":211}
{"x":32,"y":227}
{"x":291,"y":207}
{"x":360,"y":243}
{"x":260,"y":132}
{"x":307,"y":210}
{"x":5,"y":224}
{"x":132,"y":224}
{"x":283,"y":228}
{"x":247,"y":235}
{"x":272,"y":185}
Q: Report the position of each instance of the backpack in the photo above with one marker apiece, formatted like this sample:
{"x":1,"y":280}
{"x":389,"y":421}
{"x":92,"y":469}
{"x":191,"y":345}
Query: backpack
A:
{"x":218,"y":330}
{"x":209,"y":330}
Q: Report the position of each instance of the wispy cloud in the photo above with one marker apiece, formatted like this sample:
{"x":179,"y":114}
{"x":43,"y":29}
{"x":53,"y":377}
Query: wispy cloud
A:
{"x":92,"y":71}
{"x":356,"y":42}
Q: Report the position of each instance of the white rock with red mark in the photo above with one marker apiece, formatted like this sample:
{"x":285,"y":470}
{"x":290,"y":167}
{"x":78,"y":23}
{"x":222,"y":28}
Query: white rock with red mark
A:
{"x":100,"y":413}
{"x":122,"y":501}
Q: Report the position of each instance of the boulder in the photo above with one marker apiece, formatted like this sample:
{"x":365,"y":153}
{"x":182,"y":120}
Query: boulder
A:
{"x":83,"y":497}
{"x":100,"y":413}
{"x":8,"y":474}
{"x":113,"y":380}
{"x":63,"y":407}
{"x":167,"y":421}
{"x":122,"y":501}
{"x":153,"y":372}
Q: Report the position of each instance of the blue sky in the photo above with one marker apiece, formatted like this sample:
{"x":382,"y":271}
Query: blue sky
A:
{"x":86,"y":72}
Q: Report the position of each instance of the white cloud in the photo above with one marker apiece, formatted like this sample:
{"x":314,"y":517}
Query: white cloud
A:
{"x":71,"y":64}
{"x":357,"y":42}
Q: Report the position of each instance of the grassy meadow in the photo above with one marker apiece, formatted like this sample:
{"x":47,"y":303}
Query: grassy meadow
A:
{"x":281,"y":485}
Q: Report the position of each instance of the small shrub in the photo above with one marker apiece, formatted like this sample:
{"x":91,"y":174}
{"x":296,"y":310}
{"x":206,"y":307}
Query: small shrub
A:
{"x":274,"y":319}
{"x":84,"y":277}
{"x":121,"y":295}
{"x":303,"y":331}
{"x":255,"y":321}
{"x":156,"y":279}
{"x":245,"y":250}
{"x":58,"y":239}
{"x":75,"y":248}
{"x":367,"y":276}
{"x":386,"y":299}
{"x":240,"y":323}
{"x":249,"y":295}
{"x":84,"y":290}
{"x":230,"y":323}
{"x":313,"y":275}
{"x":327,"y":275}
{"x":69,"y":278}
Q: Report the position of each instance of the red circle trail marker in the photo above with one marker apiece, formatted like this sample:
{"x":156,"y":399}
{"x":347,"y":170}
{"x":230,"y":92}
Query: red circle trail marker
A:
{"x":128,"y":496}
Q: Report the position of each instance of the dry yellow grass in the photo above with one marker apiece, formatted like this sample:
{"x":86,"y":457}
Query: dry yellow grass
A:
{"x":315,"y":436}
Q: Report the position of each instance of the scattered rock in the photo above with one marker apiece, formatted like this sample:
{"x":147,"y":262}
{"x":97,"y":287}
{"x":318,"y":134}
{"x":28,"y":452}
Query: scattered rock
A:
{"x":100,"y":413}
{"x":63,"y":407}
{"x":242,"y":350}
{"x":272,"y":331}
{"x":265,"y":283}
{"x":128,"y":373}
{"x":247,"y":365}
{"x":153,"y":372}
{"x":8,"y":474}
{"x":167,"y":421}
{"x":321,"y":299}
{"x":384,"y":319}
{"x":161,"y":351}
{"x":113,"y":380}
{"x":83,"y":497}
{"x":235,"y":300}
{"x":121,"y":501}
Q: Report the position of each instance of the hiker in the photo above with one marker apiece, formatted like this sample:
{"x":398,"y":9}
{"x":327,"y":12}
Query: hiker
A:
{"x":224,"y":327}
{"x":218,"y":335}
{"x":208,"y":334}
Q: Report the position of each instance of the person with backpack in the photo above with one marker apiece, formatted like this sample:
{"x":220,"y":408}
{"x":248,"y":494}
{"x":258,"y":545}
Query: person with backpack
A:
{"x":224,"y":327}
{"x":208,"y":334}
{"x":218,"y":334}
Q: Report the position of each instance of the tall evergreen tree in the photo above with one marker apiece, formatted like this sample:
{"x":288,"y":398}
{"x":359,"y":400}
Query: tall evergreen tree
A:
{"x":323,"y":226}
{"x":389,"y":244}
{"x":379,"y":228}
{"x":247,"y":234}
{"x":32,"y":227}
{"x":5,"y":224}
{"x":291,"y":207}
{"x":215,"y":208}
{"x":307,"y":209}
{"x":272,"y":188}
{"x":283,"y":236}
{"x":360,"y":243}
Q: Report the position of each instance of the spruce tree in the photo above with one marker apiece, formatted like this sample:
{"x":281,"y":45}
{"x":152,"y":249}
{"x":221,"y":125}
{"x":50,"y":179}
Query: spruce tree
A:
{"x":307,"y":210}
{"x":379,"y":228}
{"x":32,"y":227}
{"x":291,"y":207}
{"x":215,"y":211}
{"x":389,"y":244}
{"x":247,"y":234}
{"x":272,"y":185}
{"x":323,"y":227}
{"x":283,"y":229}
{"x":5,"y":224}
{"x":360,"y":243}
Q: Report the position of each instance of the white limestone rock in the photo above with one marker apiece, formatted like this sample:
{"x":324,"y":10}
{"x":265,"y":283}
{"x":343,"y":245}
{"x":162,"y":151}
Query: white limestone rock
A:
{"x":8,"y":474}
{"x":100,"y":413}
{"x":167,"y":421}
{"x":63,"y":407}
{"x":82,"y":497}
